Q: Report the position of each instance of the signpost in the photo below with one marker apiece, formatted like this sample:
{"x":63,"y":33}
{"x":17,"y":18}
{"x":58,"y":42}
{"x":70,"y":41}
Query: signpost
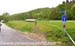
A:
{"x":64,"y":19}
{"x":35,"y":21}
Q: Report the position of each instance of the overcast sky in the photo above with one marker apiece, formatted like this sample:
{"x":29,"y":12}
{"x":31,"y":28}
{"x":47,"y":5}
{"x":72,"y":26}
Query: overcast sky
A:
{"x":17,"y":6}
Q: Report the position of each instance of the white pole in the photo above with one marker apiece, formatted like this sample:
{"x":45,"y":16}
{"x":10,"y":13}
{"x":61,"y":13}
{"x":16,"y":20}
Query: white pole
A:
{"x":69,"y":36}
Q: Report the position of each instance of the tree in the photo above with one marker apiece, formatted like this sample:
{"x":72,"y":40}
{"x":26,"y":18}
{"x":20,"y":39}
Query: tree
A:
{"x":5,"y":17}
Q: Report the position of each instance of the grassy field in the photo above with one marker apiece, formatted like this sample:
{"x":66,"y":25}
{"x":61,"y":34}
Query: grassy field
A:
{"x":53,"y":30}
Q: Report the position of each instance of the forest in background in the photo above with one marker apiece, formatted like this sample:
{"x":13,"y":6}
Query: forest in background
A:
{"x":43,"y":13}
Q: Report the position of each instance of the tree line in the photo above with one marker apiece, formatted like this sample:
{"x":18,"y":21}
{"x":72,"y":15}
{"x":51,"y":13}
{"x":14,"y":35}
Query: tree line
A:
{"x":43,"y":13}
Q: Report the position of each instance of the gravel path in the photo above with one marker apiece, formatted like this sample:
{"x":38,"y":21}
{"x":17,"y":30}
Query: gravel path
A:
{"x":10,"y":35}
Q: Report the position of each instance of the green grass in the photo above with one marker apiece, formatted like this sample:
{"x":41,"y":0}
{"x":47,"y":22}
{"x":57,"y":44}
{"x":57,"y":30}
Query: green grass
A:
{"x":21,"y":25}
{"x":52,"y":30}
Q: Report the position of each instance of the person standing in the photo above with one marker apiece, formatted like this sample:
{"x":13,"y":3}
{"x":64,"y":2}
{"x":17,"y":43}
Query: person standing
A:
{"x":0,"y":26}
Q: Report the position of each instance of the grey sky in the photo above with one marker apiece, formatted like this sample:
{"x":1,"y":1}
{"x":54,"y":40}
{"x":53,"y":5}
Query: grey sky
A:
{"x":17,"y":6}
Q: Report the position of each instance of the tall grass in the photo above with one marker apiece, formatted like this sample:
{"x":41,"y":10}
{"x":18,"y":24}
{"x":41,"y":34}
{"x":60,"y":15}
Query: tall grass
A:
{"x":52,"y":30}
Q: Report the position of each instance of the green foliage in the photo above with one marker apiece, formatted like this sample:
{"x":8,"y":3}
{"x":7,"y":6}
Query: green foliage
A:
{"x":48,"y":13}
{"x":52,"y":30}
{"x":44,"y":13}
{"x":5,"y":17}
{"x":21,"y":25}
{"x":40,"y":13}
{"x":68,"y":8}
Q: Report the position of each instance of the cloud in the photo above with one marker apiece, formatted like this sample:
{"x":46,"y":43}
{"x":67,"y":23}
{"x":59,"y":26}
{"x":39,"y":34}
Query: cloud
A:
{"x":17,"y":6}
